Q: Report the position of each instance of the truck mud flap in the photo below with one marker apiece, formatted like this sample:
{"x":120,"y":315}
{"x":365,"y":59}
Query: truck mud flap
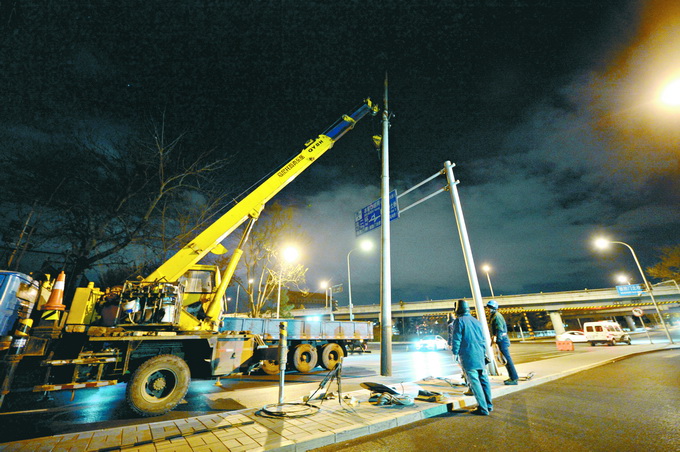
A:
{"x":261,"y":354}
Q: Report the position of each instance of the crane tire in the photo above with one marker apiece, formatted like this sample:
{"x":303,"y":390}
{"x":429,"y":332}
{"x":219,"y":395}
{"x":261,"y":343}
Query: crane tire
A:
{"x":270,"y":367}
{"x":158,"y":385}
{"x":305,"y":358}
{"x":331,"y":354}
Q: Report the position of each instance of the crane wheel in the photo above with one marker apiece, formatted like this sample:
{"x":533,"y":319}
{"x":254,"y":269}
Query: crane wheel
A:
{"x":270,"y":367}
{"x":331,"y":354}
{"x":305,"y":358}
{"x":158,"y":385}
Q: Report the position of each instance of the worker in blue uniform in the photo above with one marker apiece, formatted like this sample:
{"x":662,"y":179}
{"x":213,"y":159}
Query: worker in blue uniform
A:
{"x":468,"y":346}
{"x":499,"y":335}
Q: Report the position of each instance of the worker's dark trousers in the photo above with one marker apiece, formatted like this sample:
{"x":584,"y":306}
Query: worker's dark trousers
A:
{"x":504,"y":347}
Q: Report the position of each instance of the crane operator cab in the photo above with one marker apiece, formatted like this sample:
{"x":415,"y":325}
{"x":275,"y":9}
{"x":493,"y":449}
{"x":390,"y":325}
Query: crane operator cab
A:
{"x":161,"y":304}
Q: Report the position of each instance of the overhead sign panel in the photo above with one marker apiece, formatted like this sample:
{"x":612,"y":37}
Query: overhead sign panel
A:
{"x":337,"y":288}
{"x":629,"y":290}
{"x":370,"y":217}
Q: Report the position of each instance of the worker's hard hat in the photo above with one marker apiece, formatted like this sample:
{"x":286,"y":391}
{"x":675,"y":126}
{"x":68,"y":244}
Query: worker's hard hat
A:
{"x":492,"y":304}
{"x":462,"y":308}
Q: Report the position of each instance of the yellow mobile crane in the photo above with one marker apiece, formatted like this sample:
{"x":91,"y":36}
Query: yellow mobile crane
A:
{"x":158,"y":333}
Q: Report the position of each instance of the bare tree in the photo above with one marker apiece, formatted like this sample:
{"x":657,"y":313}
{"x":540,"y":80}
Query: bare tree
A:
{"x":96,"y":198}
{"x":262,"y":260}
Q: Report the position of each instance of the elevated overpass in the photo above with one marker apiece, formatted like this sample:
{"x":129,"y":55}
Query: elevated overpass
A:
{"x":579,"y":303}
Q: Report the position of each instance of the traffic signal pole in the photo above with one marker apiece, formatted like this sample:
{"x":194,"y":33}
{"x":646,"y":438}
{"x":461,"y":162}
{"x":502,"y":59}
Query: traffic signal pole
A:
{"x":385,"y":268}
{"x":470,"y":264}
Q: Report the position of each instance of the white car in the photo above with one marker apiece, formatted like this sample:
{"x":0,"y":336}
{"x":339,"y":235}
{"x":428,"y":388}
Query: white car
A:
{"x":574,"y":336}
{"x":431,"y":342}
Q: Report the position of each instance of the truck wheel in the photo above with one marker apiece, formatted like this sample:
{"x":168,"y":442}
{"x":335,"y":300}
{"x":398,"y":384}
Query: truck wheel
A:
{"x":331,"y":354}
{"x":305,"y":358}
{"x":270,"y":367}
{"x":592,"y":344}
{"x":158,"y":385}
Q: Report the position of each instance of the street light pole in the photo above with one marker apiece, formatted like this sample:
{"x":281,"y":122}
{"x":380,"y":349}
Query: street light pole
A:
{"x":349,"y":286}
{"x":278,"y":295}
{"x":487,"y":269}
{"x":366,"y":246}
{"x":647,"y":286}
{"x":289,"y":254}
{"x":324,"y":286}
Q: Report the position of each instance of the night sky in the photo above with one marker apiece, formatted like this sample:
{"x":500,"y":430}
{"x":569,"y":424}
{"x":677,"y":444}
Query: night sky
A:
{"x":548,"y":109}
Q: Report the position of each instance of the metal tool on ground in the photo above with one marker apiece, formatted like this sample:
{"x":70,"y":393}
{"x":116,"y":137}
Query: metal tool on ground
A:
{"x":334,"y":374}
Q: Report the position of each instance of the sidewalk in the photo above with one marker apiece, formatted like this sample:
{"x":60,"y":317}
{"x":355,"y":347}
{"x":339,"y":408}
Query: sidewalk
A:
{"x":244,"y":430}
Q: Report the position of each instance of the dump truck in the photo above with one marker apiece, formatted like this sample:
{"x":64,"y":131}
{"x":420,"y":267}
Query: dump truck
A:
{"x":158,"y":333}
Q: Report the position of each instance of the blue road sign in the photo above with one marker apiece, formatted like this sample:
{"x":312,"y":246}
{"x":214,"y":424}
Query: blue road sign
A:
{"x":629,"y":289}
{"x":370,"y":218}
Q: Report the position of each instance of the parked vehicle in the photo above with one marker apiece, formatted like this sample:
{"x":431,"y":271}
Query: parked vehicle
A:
{"x":158,"y":333}
{"x":574,"y":336}
{"x":431,"y":342}
{"x":605,"y":332}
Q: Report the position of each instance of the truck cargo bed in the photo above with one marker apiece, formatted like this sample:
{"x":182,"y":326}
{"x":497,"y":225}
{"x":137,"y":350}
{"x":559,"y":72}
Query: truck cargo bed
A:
{"x":301,"y":329}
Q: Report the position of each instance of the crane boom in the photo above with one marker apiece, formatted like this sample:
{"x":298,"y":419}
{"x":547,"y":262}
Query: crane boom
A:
{"x":251,"y":206}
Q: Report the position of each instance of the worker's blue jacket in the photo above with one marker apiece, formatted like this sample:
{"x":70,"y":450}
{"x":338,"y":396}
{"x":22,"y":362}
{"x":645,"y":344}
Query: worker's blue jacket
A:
{"x":467,"y":341}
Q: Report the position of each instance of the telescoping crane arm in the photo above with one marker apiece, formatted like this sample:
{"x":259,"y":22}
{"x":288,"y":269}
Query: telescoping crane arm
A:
{"x":251,"y":206}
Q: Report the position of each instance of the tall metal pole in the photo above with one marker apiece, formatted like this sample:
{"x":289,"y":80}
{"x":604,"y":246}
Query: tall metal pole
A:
{"x":649,"y":289}
{"x":385,"y":267}
{"x":330,"y":302}
{"x":349,"y":287}
{"x":278,"y":295}
{"x":488,"y":278}
{"x":470,"y":264}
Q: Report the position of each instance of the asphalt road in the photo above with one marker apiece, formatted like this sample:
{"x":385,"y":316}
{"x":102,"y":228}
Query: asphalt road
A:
{"x":23,"y":416}
{"x":629,"y":405}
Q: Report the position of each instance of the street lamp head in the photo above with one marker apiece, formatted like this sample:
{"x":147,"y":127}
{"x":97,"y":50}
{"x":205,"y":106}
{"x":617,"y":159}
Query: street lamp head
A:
{"x":290,"y":254}
{"x":486,"y":268}
{"x":601,"y":243}
{"x":622,"y":279}
{"x":366,"y":245}
{"x":324,"y":284}
{"x":671,"y":94}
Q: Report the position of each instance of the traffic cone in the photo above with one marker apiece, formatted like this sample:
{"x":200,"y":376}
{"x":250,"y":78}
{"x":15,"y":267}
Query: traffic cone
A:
{"x":57,"y":295}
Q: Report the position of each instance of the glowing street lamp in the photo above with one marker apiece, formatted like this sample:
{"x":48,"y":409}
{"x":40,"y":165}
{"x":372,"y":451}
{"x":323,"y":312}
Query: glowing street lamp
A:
{"x":602,"y":243}
{"x":486,"y":268}
{"x":365,"y":245}
{"x":623,"y":279}
{"x":290,"y":255}
{"x":671,"y":94}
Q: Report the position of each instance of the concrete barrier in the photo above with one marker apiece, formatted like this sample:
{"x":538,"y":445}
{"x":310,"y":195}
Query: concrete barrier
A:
{"x":567,"y":346}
